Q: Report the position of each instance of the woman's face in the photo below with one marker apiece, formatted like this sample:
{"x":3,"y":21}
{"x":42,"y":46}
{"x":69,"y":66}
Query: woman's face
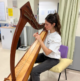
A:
{"x":48,"y":25}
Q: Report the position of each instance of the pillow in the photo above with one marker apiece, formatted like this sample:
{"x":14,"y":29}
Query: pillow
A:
{"x":63,"y":64}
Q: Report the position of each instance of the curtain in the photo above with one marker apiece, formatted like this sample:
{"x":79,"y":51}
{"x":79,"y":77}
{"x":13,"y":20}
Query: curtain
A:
{"x":68,"y":12}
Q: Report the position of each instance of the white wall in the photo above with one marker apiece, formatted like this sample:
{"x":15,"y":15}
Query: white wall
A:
{"x":44,"y":7}
{"x":5,"y":2}
{"x":22,"y":2}
{"x":16,"y":11}
{"x":8,"y":4}
{"x":36,"y":9}
{"x":33,"y":3}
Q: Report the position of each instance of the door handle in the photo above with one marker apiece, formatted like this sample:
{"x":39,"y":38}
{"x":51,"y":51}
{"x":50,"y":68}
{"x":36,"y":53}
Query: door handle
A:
{"x":3,"y":37}
{"x":10,"y":31}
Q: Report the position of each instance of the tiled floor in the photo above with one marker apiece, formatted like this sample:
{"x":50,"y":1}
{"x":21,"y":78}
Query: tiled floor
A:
{"x":45,"y":76}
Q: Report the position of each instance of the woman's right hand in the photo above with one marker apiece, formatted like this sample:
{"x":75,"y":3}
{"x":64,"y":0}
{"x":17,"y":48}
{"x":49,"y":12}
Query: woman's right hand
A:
{"x":35,"y":34}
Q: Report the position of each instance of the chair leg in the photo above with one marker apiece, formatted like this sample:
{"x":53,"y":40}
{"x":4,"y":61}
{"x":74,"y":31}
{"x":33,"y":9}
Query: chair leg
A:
{"x":59,"y":76}
{"x":65,"y":75}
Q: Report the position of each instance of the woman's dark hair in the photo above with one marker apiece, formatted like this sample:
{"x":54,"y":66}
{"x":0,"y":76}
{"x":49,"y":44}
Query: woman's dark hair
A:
{"x":54,"y":18}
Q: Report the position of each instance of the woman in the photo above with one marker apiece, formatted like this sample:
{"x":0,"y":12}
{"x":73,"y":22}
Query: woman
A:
{"x":51,"y":55}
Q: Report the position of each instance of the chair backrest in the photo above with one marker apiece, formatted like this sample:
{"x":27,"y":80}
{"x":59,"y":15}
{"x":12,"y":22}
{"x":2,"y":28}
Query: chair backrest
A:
{"x":64,"y":50}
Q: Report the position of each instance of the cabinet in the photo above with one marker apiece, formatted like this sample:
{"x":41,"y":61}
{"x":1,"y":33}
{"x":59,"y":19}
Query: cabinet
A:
{"x":7,"y":36}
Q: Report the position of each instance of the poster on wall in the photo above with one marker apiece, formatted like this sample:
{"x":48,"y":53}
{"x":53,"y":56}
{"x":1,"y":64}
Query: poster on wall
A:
{"x":46,"y":12}
{"x":2,"y":12}
{"x":51,"y":11}
{"x":14,"y":3}
{"x":10,"y":12}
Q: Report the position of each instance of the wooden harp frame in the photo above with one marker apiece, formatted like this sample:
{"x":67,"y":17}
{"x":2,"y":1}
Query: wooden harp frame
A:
{"x":26,"y":15}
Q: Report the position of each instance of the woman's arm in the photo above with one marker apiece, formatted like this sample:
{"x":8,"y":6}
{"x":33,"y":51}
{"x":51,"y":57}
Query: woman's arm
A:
{"x":45,"y":49}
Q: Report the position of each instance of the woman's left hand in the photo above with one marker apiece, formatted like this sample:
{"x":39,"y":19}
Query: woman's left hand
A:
{"x":37,"y":36}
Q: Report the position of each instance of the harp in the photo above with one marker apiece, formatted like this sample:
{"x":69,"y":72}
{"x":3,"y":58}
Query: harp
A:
{"x":21,"y":71}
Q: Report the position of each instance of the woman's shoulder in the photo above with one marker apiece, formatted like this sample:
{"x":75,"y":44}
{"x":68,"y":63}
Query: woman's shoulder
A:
{"x":56,"y":37}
